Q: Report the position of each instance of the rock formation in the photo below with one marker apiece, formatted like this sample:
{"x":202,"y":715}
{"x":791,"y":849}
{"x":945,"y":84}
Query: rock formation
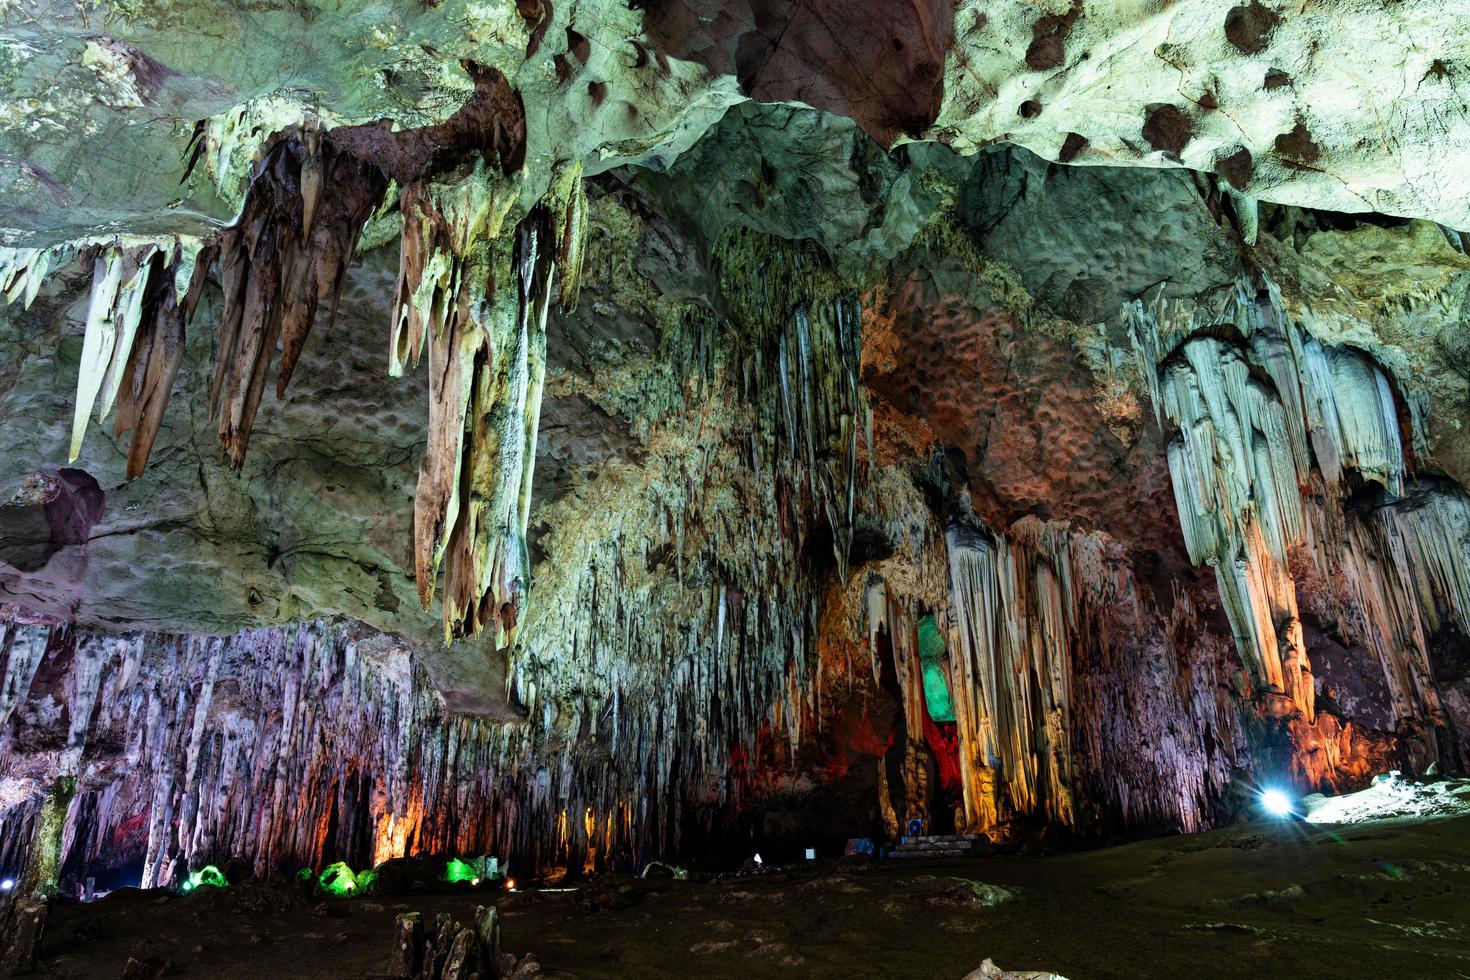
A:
{"x":696,"y":417}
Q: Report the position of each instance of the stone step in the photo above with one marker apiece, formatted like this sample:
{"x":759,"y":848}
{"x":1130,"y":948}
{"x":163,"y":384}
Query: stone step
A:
{"x":942,"y":838}
{"x":944,"y":853}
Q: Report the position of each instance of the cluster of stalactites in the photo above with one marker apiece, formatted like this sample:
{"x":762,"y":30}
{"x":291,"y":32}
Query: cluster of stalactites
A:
{"x":673,"y":645}
{"x":474,"y":295}
{"x":142,"y":297}
{"x":284,"y":747}
{"x":1240,"y":508}
{"x":287,"y":253}
{"x":675,"y":649}
{"x":801,"y":334}
{"x":1338,"y":405}
{"x":1068,"y":706}
{"x":1271,"y":422}
{"x":890,"y":613}
{"x":478,"y":299}
{"x":1016,"y":619}
{"x":22,"y":272}
{"x":1407,"y":567}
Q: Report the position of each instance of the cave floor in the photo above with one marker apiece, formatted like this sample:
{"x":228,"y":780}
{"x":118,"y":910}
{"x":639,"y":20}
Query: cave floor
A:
{"x":1388,"y":899}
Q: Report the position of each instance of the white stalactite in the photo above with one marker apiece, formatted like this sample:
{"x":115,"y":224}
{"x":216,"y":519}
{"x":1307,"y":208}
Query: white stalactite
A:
{"x":1271,"y":430}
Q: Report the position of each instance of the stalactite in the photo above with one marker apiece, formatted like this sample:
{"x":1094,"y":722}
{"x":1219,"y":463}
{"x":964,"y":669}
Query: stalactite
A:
{"x":1407,"y":566}
{"x":478,"y":298}
{"x":1073,"y":702}
{"x":23,"y":270}
{"x":246,"y":746}
{"x":1274,"y":430}
{"x":158,"y":351}
{"x":286,"y":254}
{"x":1012,"y":676}
{"x":119,"y":280}
{"x":567,"y":202}
{"x":890,"y":614}
{"x":799,"y":329}
{"x":143,"y":295}
{"x":1239,"y":462}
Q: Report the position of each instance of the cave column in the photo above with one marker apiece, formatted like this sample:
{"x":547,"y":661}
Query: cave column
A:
{"x":43,"y":869}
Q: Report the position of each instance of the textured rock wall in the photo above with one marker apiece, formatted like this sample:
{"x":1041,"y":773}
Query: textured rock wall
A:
{"x":1355,"y":107}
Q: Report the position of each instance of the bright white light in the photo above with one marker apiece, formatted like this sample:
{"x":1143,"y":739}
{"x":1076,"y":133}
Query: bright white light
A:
{"x":1276,"y":802}
{"x":7,"y":884}
{"x":758,"y":861}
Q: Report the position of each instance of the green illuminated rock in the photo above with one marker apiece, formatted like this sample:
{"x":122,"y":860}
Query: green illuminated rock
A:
{"x":936,"y":687}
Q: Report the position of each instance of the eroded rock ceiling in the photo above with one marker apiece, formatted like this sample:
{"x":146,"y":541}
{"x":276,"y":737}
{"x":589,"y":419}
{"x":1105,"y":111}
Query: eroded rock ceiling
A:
{"x":650,"y":379}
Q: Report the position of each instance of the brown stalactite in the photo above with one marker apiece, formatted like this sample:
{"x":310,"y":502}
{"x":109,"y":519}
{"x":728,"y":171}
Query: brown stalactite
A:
{"x":457,"y":293}
{"x":487,"y":358}
{"x":477,"y":295}
{"x":480,"y":305}
{"x":311,"y":195}
{"x":141,"y":300}
{"x":287,"y":254}
{"x":485,"y":568}
{"x":158,"y":350}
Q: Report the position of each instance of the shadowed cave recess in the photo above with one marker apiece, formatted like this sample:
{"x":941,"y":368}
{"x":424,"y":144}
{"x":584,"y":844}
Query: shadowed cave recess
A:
{"x":700,"y":430}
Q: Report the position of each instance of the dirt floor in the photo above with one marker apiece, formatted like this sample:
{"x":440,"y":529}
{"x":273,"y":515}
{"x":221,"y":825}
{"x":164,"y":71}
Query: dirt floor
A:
{"x":1261,"y":900}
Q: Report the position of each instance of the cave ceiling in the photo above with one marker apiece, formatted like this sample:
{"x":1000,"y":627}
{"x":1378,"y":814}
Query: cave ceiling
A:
{"x":1000,"y":186}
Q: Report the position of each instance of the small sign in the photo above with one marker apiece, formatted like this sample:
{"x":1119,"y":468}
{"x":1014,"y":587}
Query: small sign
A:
{"x":811,"y":854}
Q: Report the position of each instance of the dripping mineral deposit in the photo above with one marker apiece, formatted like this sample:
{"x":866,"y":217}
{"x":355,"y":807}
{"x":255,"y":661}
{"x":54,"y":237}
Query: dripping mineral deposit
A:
{"x":664,"y":488}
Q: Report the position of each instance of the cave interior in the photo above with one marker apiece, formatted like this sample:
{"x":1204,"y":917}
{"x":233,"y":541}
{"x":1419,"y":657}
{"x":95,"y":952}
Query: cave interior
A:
{"x":966,"y":488}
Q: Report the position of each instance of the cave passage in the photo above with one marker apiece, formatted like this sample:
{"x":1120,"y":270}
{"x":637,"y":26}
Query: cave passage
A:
{"x":656,"y":488}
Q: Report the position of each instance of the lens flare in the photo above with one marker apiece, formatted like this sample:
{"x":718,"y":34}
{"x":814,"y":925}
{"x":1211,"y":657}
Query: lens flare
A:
{"x":1276,"y":803}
